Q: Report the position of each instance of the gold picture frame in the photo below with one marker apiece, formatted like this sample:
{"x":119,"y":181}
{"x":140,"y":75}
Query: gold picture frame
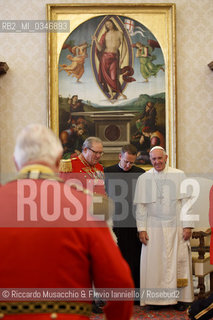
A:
{"x":158,"y":23}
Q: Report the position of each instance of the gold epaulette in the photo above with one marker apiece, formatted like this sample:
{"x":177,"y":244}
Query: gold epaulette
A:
{"x":65,"y":165}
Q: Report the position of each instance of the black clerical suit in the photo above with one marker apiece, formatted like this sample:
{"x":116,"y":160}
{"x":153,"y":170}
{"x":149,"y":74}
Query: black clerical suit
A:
{"x":119,"y":182}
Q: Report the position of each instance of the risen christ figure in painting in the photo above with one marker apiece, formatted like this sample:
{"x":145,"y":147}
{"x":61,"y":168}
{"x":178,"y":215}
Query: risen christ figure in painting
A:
{"x":111,"y":51}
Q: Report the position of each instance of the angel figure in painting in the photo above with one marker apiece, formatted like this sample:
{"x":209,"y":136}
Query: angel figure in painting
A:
{"x":76,"y":68}
{"x":111,"y":51}
{"x":144,"y":53}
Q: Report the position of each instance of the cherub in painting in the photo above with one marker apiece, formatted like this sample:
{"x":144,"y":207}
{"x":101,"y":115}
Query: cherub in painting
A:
{"x":144,"y":53}
{"x":78,"y":56}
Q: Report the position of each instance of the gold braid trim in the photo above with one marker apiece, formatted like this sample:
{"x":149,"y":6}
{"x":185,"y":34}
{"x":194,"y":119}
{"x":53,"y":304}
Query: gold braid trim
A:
{"x":200,"y":314}
{"x":37,"y":171}
{"x":182,"y":283}
{"x":80,"y":308}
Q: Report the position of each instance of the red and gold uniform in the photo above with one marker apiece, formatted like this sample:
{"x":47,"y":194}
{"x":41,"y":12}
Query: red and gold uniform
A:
{"x":211,"y":222}
{"x":202,"y":309}
{"x":49,"y":248}
{"x":91,"y":177}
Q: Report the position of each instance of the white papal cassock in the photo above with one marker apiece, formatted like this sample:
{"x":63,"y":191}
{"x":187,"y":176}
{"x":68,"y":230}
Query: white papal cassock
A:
{"x":166,"y":275}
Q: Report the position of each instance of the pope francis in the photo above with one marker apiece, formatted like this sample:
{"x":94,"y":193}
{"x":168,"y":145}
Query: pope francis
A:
{"x":165,"y":271}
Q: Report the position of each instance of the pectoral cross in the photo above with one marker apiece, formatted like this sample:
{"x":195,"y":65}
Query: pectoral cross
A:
{"x":160,"y":181}
{"x":160,"y":196}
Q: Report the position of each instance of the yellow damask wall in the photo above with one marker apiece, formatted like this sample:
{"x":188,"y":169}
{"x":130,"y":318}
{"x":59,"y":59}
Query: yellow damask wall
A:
{"x":23,"y":90}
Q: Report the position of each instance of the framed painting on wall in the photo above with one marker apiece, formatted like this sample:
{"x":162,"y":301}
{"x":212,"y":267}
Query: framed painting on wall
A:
{"x":113,"y":75}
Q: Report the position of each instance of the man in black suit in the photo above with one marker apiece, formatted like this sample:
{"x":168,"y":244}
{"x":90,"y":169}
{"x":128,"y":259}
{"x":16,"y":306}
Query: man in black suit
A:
{"x":120,"y":180}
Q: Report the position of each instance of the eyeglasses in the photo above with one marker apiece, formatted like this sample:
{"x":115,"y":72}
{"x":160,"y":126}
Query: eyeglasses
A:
{"x":96,"y":152}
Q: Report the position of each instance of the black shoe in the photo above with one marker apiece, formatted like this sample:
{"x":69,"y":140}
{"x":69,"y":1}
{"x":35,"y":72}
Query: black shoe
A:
{"x":100,"y":303}
{"x":154,"y":307}
{"x":96,"y":309}
{"x":181,"y":306}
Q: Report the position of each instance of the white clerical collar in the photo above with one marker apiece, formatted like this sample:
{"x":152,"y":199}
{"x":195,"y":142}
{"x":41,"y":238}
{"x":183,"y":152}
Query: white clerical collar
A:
{"x":120,"y":166}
